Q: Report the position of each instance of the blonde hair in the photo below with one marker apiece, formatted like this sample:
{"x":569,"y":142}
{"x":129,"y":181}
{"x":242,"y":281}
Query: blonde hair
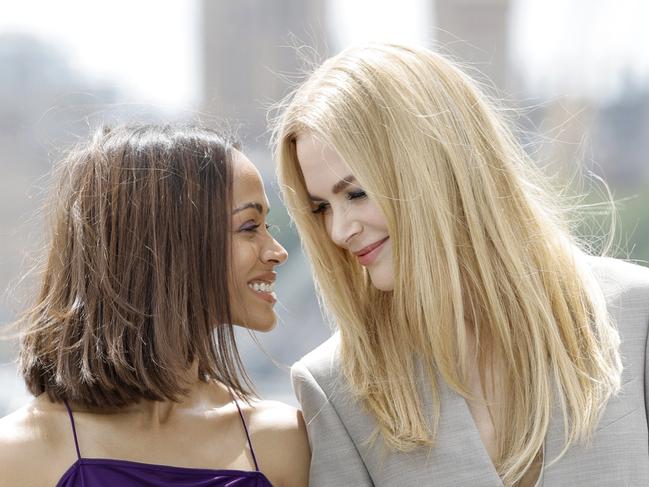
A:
{"x":478,"y":248}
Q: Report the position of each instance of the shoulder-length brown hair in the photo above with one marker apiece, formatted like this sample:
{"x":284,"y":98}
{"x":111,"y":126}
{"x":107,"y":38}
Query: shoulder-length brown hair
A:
{"x":135,"y":282}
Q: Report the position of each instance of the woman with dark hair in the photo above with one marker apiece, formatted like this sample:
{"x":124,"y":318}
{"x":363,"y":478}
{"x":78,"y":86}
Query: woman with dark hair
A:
{"x":159,"y":246}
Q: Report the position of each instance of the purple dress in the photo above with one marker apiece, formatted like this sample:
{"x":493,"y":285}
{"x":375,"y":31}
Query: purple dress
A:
{"x":104,"y":472}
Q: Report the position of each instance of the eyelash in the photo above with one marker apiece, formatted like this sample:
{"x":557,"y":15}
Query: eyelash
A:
{"x":352,"y":195}
{"x":254,"y":228}
{"x":320,"y":208}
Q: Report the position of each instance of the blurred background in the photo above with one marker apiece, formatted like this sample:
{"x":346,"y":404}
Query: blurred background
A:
{"x":576,"y":74}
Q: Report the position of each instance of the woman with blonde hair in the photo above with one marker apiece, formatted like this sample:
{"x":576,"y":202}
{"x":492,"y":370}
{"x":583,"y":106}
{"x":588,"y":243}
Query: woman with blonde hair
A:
{"x":476,"y":343}
{"x":159,"y":246}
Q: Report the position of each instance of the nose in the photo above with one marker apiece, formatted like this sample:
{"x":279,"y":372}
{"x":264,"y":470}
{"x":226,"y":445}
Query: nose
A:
{"x":274,"y":253}
{"x":342,"y":227}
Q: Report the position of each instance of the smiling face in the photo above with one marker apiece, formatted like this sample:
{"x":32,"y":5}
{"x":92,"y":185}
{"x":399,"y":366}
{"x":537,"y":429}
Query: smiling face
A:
{"x":352,"y":219}
{"x":255,"y":253}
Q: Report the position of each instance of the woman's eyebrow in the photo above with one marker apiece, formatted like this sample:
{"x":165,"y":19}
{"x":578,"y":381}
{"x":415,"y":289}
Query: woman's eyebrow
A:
{"x":343,"y":183}
{"x":337,"y":188}
{"x":252,"y":204}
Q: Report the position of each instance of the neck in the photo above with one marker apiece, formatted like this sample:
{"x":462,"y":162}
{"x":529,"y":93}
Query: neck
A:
{"x":199,"y":396}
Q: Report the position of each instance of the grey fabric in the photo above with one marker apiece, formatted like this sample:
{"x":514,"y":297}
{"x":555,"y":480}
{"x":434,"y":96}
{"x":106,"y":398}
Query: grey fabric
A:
{"x":618,"y":454}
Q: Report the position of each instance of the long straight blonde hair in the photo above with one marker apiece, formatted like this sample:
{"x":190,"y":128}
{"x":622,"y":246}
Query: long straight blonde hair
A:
{"x":479,"y":249}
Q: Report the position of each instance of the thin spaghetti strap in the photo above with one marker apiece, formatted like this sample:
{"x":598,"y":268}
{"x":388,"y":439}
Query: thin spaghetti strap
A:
{"x":74,"y":429}
{"x":245,"y":427}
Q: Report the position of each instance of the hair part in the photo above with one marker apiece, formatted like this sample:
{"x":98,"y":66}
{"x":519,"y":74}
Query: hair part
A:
{"x":425,"y":143}
{"x":135,"y":283}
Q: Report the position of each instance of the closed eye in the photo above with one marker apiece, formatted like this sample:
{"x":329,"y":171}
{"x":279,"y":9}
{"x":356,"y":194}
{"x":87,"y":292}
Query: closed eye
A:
{"x":253,"y":228}
{"x":352,"y":195}
{"x":322,"y":207}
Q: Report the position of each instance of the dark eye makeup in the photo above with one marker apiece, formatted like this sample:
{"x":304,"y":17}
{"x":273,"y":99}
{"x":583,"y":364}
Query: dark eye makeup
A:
{"x":253,"y":227}
{"x":320,"y":208}
{"x":351,"y":195}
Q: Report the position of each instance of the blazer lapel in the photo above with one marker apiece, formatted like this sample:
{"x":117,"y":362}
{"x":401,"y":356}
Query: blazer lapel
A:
{"x":459,"y":453}
{"x":458,"y":457}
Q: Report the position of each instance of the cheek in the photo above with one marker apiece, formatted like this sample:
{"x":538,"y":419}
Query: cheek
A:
{"x":244,"y":258}
{"x":375,"y":216}
{"x":383,"y":274}
{"x":326,"y":223}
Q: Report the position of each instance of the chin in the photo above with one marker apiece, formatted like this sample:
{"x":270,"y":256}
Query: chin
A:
{"x":383,"y":284}
{"x":259,"y":324}
{"x":382,"y":281}
{"x":383,"y":287}
{"x":263,"y":327}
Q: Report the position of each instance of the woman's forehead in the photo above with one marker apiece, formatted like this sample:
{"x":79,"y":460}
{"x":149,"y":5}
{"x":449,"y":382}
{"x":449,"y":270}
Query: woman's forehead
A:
{"x":247,"y":185}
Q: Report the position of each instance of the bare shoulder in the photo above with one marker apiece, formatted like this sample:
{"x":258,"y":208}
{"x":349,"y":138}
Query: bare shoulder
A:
{"x":30,"y":445}
{"x":273,"y":416}
{"x":274,"y":423}
{"x":18,"y":433}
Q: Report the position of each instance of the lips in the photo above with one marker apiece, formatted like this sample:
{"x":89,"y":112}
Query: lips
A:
{"x":263,"y":286}
{"x":368,"y":254}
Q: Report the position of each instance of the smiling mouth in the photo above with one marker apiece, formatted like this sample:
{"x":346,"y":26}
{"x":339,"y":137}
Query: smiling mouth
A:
{"x":264,"y":290}
{"x":368,"y":255}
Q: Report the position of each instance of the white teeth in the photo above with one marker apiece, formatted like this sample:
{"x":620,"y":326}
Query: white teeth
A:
{"x":262,"y":287}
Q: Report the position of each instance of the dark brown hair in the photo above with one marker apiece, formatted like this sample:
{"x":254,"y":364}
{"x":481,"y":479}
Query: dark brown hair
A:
{"x":135,"y":283}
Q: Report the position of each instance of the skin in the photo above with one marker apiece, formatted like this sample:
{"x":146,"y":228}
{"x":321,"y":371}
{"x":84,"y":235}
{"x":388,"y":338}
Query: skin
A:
{"x":353,"y":221}
{"x":255,"y":253}
{"x":204,"y":430}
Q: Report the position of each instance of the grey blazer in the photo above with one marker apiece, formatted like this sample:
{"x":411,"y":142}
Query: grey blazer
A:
{"x":617,"y":456}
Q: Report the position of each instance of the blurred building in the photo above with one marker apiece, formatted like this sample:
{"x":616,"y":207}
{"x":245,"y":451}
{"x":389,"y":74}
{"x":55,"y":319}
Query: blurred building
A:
{"x":621,"y":138}
{"x":576,"y":133}
{"x":476,"y":32}
{"x":250,"y":60}
{"x":253,"y":52}
{"x":44,"y":104}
